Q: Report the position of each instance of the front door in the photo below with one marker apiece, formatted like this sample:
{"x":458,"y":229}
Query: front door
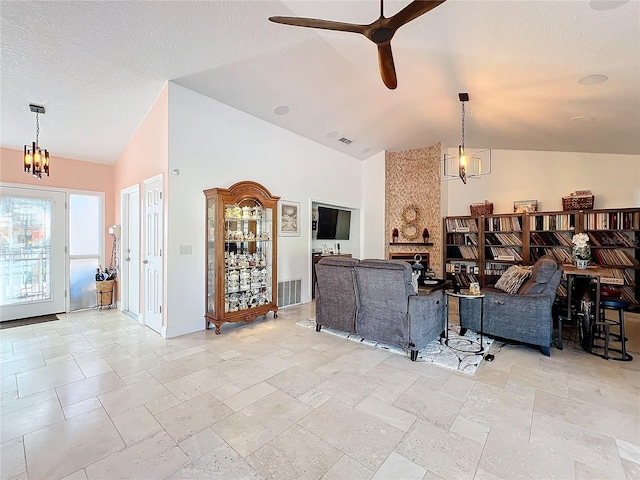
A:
{"x":152,"y":252}
{"x":32,"y":252}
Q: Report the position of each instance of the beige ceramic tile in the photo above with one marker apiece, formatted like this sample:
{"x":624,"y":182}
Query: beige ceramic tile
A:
{"x":314,"y":398}
{"x":470,"y":429}
{"x":396,"y":467}
{"x":96,"y":367}
{"x":229,"y":354}
{"x":182,"y":353}
{"x":436,"y":407}
{"x":220,"y":464}
{"x":47,"y":450}
{"x":348,"y":468}
{"x":360,"y":435}
{"x":253,"y":426}
{"x":552,"y":383}
{"x":8,"y":384}
{"x":161,"y":404}
{"x":10,"y":401}
{"x":394,"y":416}
{"x":31,"y":362}
{"x":347,"y":387}
{"x":154,"y":457}
{"x":136,"y":377}
{"x":393,"y":381}
{"x":195,"y":384}
{"x":136,"y":364}
{"x":295,"y":453}
{"x":79,"y":408}
{"x":577,"y":443}
{"x":441,"y":451}
{"x":44,"y":378}
{"x":599,"y":420}
{"x":192,"y":416}
{"x":358,"y":361}
{"x":12,"y":462}
{"x":30,"y":419}
{"x":511,"y":456}
{"x":202,"y":442}
{"x":65,"y":358}
{"x":90,"y":387}
{"x":295,"y":380}
{"x":136,"y":424}
{"x":130,"y":396}
{"x":181,"y":367}
{"x":629,"y":451}
{"x":248,"y":396}
{"x":457,"y":387}
{"x":79,"y":475}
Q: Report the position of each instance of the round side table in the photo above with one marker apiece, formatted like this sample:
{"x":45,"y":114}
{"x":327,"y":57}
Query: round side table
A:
{"x":465,"y":294}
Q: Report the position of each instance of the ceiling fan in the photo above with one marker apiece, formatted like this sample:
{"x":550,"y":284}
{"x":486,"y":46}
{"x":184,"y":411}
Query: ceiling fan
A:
{"x":380,"y":32}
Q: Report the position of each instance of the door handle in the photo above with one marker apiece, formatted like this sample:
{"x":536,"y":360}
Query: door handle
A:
{"x":145,"y":261}
{"x":128,"y":259}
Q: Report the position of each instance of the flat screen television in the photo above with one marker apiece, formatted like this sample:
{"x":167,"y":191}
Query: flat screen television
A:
{"x":333,"y":224}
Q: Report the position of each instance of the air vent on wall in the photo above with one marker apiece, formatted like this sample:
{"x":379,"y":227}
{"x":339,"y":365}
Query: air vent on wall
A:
{"x":345,"y":140}
{"x":289,"y":292}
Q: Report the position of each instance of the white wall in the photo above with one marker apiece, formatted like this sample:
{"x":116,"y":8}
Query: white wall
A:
{"x":214,"y":145}
{"x":373,"y":192}
{"x":547,"y":177}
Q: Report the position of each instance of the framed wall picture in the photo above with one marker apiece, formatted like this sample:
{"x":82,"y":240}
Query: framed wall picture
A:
{"x":524,"y":206}
{"x":289,"y":218}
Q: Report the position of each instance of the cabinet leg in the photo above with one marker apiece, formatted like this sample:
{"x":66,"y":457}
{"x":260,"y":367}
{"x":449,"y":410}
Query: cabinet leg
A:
{"x":217,"y":329}
{"x":318,"y":327}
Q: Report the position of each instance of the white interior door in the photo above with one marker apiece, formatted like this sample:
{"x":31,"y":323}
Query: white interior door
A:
{"x":130,"y":247}
{"x":32,"y":252}
{"x":152,"y":252}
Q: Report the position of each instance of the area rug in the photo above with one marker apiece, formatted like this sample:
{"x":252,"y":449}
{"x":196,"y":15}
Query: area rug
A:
{"x":459,"y":355}
{"x":27,"y":321}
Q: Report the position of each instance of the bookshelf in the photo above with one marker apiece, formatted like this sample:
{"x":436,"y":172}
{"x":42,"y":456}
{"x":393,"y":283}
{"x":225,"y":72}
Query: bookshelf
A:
{"x":481,"y":248}
{"x":462,"y":249}
{"x":614,"y":236}
{"x":503,"y":245}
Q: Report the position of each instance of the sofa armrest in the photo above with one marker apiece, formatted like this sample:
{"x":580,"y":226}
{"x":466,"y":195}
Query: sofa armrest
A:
{"x":426,"y":318}
{"x":525,"y":318}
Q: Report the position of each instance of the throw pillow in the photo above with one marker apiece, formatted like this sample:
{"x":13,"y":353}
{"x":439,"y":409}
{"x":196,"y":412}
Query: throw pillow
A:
{"x":513,"y":278}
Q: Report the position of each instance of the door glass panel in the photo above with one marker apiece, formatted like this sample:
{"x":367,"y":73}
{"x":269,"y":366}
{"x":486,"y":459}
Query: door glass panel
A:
{"x":25,"y":250}
{"x":85,"y":232}
{"x":82,"y":272}
{"x":84,"y":226}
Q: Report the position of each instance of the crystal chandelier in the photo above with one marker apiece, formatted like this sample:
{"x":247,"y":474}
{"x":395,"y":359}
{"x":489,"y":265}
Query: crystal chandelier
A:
{"x":36,"y":159}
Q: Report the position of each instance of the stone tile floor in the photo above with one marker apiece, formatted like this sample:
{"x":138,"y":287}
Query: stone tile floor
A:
{"x":98,"y":396}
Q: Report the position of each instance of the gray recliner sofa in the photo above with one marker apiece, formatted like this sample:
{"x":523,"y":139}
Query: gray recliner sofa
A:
{"x":336,"y":294}
{"x":525,"y":316}
{"x":387,"y":308}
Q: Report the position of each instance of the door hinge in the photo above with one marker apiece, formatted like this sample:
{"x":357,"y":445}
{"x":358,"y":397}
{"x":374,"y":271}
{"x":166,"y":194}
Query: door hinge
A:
{"x":160,"y":195}
{"x":66,"y":249}
{"x":160,"y":308}
{"x":65,"y":294}
{"x":160,"y":252}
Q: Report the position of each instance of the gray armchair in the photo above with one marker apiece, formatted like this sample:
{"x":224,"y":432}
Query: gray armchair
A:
{"x":335,"y":294}
{"x":525,"y":316}
{"x":389,"y":310}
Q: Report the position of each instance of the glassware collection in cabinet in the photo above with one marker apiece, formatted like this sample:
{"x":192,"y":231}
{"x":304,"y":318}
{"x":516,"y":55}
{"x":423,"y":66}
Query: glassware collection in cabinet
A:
{"x":241,"y":254}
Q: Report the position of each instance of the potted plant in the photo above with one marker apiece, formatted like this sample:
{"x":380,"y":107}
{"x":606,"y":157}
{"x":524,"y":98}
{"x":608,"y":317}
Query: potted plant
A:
{"x":581,"y":250}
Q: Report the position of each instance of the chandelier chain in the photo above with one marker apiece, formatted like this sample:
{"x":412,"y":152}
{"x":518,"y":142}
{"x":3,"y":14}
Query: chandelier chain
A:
{"x":463,"y":125}
{"x":37,"y":128}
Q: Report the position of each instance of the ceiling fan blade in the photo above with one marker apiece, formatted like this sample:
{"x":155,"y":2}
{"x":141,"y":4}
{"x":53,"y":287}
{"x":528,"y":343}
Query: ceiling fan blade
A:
{"x":411,"y":11}
{"x":387,"y":68}
{"x":323,"y":24}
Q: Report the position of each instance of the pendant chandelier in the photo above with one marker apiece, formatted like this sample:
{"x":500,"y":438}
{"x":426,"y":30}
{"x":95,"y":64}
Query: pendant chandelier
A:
{"x":36,"y":159}
{"x":465,"y":164}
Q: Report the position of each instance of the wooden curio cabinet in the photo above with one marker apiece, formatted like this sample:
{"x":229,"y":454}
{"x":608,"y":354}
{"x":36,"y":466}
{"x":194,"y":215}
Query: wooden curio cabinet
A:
{"x":241,"y":254}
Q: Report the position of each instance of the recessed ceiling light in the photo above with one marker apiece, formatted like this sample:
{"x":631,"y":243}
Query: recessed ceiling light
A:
{"x":582,"y":118}
{"x":601,"y":5}
{"x":366,"y":150}
{"x":281,"y":110}
{"x":592,"y":79}
{"x":332,"y":134}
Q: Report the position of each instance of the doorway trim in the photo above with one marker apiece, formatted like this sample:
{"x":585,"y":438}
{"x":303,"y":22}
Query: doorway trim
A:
{"x":125,"y":203}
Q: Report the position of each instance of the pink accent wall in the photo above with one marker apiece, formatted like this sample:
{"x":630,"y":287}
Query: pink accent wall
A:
{"x":66,"y":174}
{"x":146,"y":155}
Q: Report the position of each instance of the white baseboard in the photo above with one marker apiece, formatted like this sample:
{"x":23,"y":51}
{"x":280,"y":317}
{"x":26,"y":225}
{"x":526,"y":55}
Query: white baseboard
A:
{"x":182,"y":329}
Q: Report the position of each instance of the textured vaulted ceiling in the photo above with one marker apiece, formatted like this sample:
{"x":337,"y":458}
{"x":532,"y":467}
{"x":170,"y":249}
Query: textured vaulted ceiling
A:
{"x":98,"y":66}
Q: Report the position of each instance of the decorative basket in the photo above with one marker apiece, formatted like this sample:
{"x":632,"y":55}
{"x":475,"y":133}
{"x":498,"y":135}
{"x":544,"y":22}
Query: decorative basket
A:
{"x":104,"y":291}
{"x":478,"y":209}
{"x":577,"y":202}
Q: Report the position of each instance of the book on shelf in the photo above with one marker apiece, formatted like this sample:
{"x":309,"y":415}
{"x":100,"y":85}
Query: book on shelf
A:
{"x":614,"y":256}
{"x":462,"y":239}
{"x":503,"y":239}
{"x":462,"y":225}
{"x":612,"y":239}
{"x":560,"y":221}
{"x":504,"y":224}
{"x":508,"y":253}
{"x":612,"y":221}
{"x":562,"y":239}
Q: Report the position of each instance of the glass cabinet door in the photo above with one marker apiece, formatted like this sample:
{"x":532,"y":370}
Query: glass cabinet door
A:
{"x":248,"y":255}
{"x":211,"y":257}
